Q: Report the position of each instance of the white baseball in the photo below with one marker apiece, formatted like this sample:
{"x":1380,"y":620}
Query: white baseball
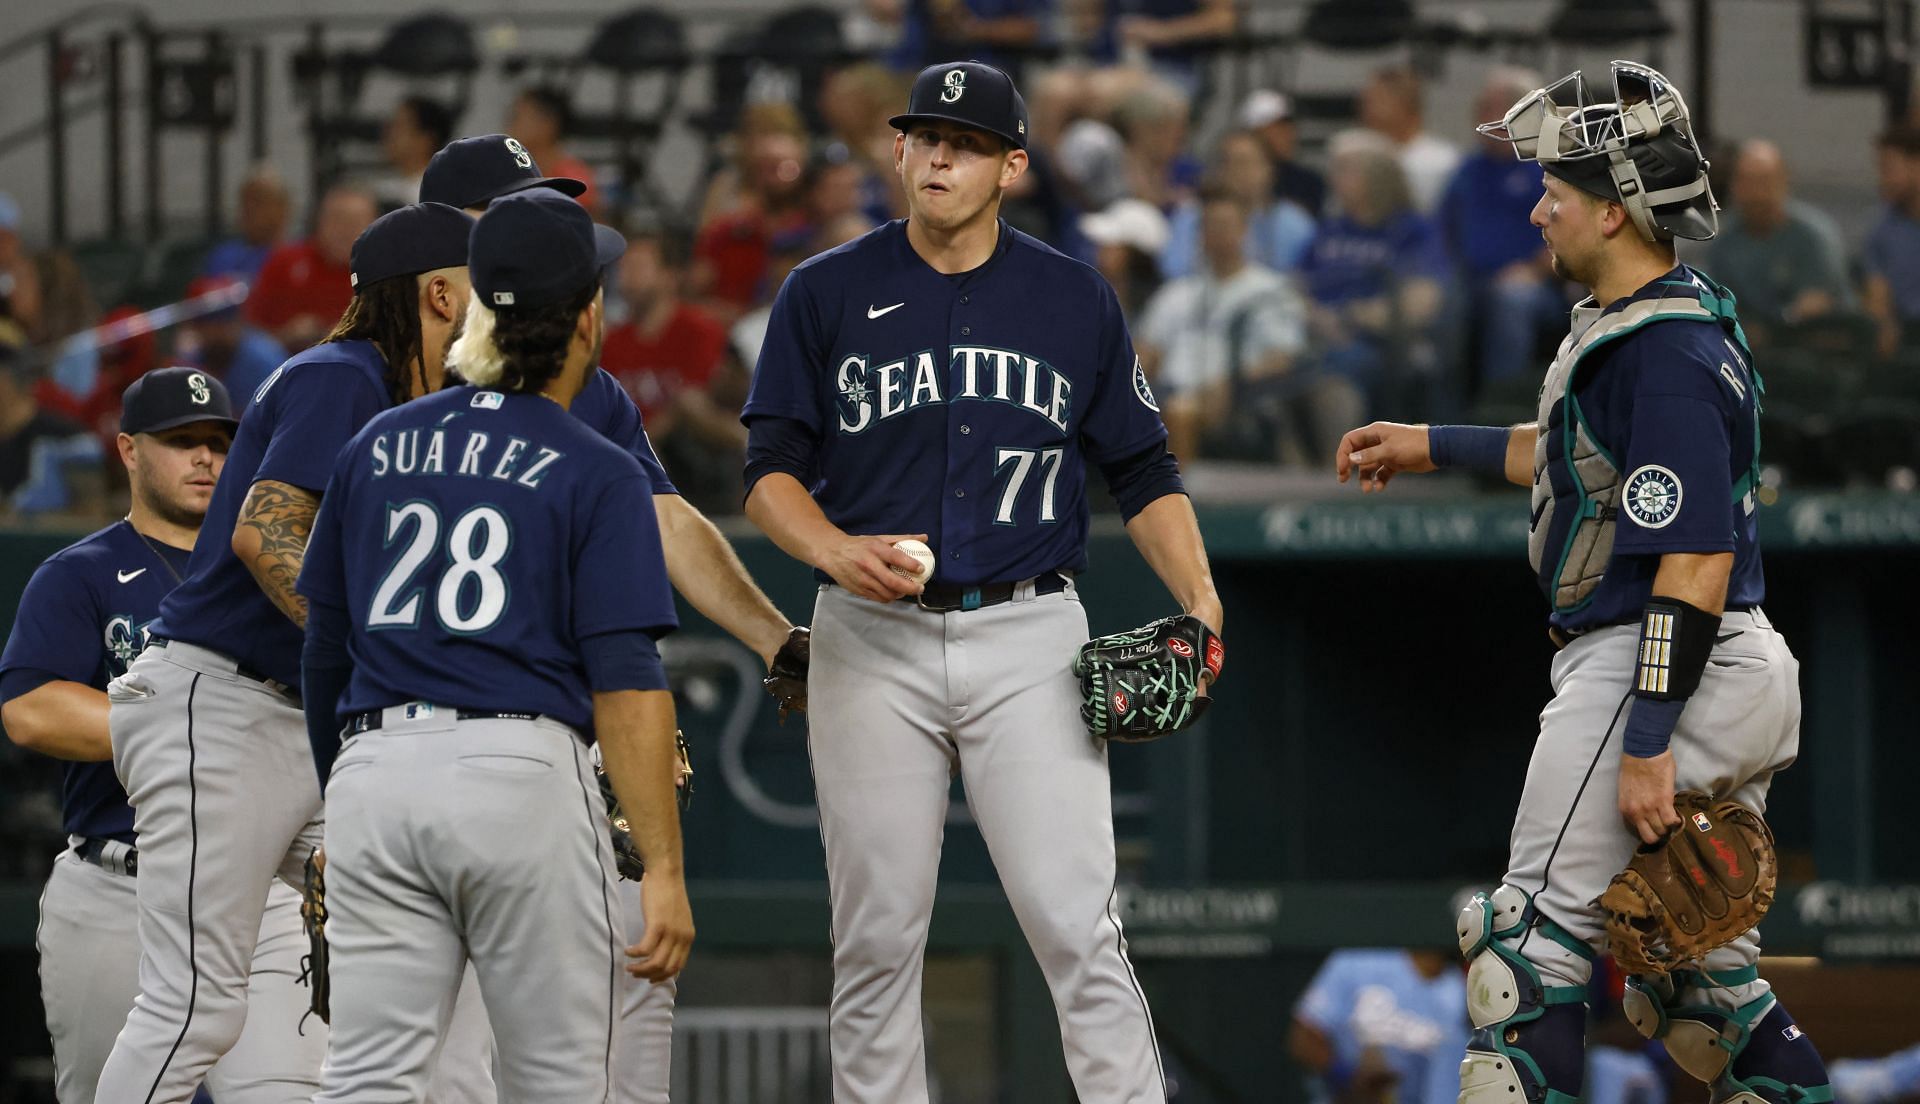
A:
{"x":919,"y":551}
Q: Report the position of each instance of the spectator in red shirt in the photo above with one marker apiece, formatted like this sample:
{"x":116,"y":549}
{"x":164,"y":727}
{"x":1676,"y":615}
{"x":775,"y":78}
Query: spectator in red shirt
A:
{"x":731,"y":257}
{"x":304,"y":287}
{"x":541,"y":119}
{"x":667,"y":349}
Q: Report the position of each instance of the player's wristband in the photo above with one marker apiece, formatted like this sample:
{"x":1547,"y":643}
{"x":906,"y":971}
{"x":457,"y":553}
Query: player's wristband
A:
{"x":1475,"y":448}
{"x":1675,"y":640}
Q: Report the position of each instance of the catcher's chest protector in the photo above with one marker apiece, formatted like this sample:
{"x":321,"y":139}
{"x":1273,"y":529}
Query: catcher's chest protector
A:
{"x":1576,"y":478}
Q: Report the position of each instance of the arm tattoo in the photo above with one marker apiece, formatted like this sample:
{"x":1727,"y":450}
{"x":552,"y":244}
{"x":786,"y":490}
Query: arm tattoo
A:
{"x":282,"y":517}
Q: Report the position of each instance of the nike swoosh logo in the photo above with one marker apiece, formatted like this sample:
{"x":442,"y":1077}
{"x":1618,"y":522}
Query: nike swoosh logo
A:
{"x":1729,"y":636}
{"x":129,"y":576}
{"x":872,"y":313}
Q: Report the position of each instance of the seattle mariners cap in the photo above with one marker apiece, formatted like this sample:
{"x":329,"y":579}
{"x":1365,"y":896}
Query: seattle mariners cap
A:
{"x":473,"y":172}
{"x":971,"y":94}
{"x":169,"y":397}
{"x":533,"y":249}
{"x":414,"y":239}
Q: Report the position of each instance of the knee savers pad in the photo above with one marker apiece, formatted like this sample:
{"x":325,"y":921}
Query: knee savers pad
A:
{"x":1753,"y":1054}
{"x":1528,"y":1036}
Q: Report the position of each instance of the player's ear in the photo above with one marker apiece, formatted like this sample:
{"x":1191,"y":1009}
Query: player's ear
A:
{"x":1013,"y":168}
{"x":900,"y":151}
{"x":125,"y":443}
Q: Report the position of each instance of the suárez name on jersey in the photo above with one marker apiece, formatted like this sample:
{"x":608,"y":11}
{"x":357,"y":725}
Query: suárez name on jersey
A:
{"x":469,"y":452}
{"x":871,"y":393}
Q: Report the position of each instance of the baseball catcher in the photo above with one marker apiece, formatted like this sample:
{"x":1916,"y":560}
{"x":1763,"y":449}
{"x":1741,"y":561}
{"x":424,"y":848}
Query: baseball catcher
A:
{"x":1675,"y":698}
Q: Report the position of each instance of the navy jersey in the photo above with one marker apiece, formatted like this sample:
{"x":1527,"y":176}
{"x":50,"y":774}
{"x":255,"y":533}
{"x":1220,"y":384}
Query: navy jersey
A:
{"x":474,"y":538}
{"x":293,"y":428}
{"x":608,"y":410}
{"x":83,"y":617}
{"x":965,"y":407}
{"x":1673,"y":403}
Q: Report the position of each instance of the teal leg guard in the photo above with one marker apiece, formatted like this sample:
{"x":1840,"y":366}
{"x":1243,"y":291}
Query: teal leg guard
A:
{"x":1528,"y":1044}
{"x":1753,"y":1054}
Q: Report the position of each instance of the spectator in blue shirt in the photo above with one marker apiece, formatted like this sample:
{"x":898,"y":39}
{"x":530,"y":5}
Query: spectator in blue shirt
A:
{"x":1892,"y":253}
{"x":1508,"y":293}
{"x":1269,"y":115}
{"x":1383,"y":1024}
{"x":264,"y":209}
{"x":224,"y":345}
{"x":993,"y":31}
{"x":1278,"y":231}
{"x":1374,"y":272}
{"x":1166,"y":34}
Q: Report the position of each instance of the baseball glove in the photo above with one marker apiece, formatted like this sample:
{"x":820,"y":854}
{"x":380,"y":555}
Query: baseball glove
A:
{"x":626,"y":856}
{"x":313,"y":916}
{"x":1708,"y":883}
{"x":1144,"y":684}
{"x":787,"y":678}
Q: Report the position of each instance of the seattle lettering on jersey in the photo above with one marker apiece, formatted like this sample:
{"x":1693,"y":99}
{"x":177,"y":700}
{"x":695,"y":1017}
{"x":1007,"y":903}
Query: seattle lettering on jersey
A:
{"x":871,"y":394}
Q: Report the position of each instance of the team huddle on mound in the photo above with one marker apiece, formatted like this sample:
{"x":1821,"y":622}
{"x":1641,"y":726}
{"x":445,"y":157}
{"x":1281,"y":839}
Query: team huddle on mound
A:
{"x":412,"y":662}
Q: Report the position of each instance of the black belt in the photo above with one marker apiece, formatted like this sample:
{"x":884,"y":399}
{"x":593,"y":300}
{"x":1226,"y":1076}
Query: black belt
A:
{"x":948,"y":597}
{"x":285,"y":690}
{"x":93,"y":849}
{"x":370,"y":721}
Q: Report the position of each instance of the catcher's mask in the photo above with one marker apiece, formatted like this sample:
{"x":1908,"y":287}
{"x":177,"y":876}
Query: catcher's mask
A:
{"x":1636,"y":150}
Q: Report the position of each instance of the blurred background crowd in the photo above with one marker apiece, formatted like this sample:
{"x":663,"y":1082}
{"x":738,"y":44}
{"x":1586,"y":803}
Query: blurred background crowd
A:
{"x":1286,"y":273}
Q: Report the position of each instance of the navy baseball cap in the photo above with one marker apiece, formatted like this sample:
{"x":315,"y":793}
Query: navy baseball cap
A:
{"x":169,"y":397}
{"x":473,"y":172}
{"x":533,"y":249}
{"x":971,"y":94}
{"x":414,"y":239}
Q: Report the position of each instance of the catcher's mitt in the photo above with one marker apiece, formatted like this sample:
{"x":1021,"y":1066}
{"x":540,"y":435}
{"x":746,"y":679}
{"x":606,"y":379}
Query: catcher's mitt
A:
{"x":1144,"y":684}
{"x":1708,"y":883}
{"x":626,"y":856}
{"x":787,"y":678}
{"x":313,"y":916}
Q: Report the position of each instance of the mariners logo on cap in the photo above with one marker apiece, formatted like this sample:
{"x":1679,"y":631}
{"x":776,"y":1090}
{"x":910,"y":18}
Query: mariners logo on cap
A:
{"x":1653,"y":496}
{"x":520,"y":155}
{"x":199,"y":391}
{"x":956,"y":86}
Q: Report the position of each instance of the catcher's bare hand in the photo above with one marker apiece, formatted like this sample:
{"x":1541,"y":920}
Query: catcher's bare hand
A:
{"x":1646,"y":796}
{"x":1379,"y":451}
{"x":663,"y":948}
{"x":865,"y":566}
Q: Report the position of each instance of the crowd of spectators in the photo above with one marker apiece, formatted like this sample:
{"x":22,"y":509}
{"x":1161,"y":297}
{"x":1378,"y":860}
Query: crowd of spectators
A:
{"x":1278,"y":290}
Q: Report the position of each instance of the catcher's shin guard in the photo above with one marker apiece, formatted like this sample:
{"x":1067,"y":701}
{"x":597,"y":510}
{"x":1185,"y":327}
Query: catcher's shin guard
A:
{"x":1753,"y":1054}
{"x":1528,"y":1041}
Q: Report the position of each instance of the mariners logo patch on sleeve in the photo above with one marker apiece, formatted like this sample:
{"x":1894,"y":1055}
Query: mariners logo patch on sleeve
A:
{"x":1653,"y":496}
{"x":1140,"y":387}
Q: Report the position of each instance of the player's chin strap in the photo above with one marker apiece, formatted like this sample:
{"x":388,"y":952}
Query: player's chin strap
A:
{"x":1527,"y":1035}
{"x":1708,"y":1042}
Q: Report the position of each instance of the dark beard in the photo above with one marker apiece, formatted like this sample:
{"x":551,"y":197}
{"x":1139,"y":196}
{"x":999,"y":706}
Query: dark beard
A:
{"x":1561,"y":270}
{"x":170,"y":512}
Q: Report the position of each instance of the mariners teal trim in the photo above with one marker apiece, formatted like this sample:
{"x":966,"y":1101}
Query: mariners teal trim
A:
{"x":970,"y":598}
{"x":1744,"y":975}
{"x":1717,"y":304}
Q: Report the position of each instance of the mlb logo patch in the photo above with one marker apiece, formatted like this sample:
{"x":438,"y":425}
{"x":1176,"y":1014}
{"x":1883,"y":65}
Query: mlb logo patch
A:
{"x":1792,"y":1032}
{"x":1701,"y":822}
{"x":488,"y":400}
{"x":419,"y":711}
{"x":503,"y":298}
